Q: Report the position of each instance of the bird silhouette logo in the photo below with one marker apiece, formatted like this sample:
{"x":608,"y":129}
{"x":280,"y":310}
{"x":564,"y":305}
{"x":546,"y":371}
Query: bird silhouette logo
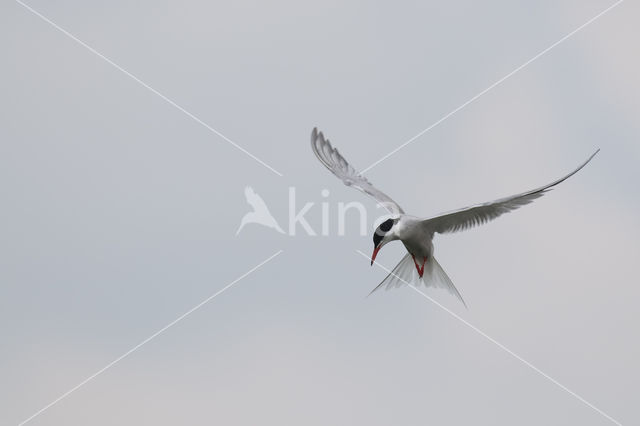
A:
{"x":260,"y":214}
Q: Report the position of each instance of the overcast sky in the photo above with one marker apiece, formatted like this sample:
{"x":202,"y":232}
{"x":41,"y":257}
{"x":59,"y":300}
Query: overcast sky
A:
{"x":119,"y":212}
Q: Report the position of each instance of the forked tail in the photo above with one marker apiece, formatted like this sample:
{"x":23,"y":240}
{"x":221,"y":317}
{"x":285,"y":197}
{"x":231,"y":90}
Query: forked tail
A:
{"x":435,"y":276}
{"x":405,"y":273}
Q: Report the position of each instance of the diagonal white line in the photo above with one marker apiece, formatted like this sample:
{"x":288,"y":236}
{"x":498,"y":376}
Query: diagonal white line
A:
{"x":145,"y":85}
{"x":147,"y":340}
{"x":590,"y":21}
{"x":500,"y":345}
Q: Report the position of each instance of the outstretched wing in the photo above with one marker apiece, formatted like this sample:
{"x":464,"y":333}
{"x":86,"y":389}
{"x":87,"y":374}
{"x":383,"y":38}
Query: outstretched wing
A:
{"x":335,"y":162}
{"x":468,"y":217}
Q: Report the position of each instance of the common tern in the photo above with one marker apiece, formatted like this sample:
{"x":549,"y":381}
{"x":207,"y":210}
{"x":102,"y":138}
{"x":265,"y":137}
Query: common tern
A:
{"x":417,"y":233}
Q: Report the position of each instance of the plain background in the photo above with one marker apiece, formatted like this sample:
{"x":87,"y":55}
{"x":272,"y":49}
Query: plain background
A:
{"x":119,"y":212}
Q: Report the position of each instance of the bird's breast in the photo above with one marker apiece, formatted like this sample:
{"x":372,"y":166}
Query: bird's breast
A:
{"x":415,"y":239}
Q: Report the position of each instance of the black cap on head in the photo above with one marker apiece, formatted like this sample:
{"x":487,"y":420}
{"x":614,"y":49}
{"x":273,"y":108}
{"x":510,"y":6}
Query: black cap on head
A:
{"x":386,"y":225}
{"x":382,"y":229}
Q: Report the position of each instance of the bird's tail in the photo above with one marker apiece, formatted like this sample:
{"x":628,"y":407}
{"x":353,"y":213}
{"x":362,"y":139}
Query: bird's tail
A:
{"x":435,"y":276}
{"x":405,"y":274}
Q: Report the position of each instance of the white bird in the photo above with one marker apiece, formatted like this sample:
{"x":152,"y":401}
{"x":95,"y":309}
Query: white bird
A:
{"x":417,"y":233}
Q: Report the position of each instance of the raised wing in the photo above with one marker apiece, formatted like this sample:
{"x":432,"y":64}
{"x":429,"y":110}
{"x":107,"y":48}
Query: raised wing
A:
{"x":468,"y":217}
{"x":335,"y":162}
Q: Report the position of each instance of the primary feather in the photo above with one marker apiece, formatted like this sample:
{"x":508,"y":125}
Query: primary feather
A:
{"x":335,"y":162}
{"x":468,"y":217}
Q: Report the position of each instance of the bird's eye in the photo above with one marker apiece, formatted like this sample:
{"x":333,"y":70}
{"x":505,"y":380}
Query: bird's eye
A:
{"x":386,"y":225}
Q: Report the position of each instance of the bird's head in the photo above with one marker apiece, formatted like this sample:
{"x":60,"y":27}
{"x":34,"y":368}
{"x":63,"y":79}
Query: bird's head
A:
{"x":384,"y":233}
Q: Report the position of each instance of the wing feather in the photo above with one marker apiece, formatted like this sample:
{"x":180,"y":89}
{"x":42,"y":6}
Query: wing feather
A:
{"x":469,"y":217}
{"x":336,"y":163}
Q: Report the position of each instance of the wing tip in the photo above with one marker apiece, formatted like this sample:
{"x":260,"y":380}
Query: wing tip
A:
{"x":318,"y":137}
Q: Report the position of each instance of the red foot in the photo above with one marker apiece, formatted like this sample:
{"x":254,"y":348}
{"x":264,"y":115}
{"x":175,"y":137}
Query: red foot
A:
{"x":420,"y":268}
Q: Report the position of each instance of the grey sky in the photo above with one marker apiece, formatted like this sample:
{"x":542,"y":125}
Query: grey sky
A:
{"x":119,"y":212}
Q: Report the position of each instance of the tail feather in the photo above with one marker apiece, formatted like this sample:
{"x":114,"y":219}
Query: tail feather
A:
{"x":405,"y":273}
{"x":435,"y":276}
{"x":401,"y":274}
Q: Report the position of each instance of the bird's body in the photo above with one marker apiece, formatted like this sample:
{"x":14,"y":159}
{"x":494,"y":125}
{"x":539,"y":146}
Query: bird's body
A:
{"x":417,"y":233}
{"x":415,"y":237}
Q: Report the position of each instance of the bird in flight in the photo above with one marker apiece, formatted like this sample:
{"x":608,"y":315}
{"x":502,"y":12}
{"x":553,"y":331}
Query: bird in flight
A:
{"x":417,"y":233}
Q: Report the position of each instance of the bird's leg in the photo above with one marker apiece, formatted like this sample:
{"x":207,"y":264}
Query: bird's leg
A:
{"x":418,"y":267}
